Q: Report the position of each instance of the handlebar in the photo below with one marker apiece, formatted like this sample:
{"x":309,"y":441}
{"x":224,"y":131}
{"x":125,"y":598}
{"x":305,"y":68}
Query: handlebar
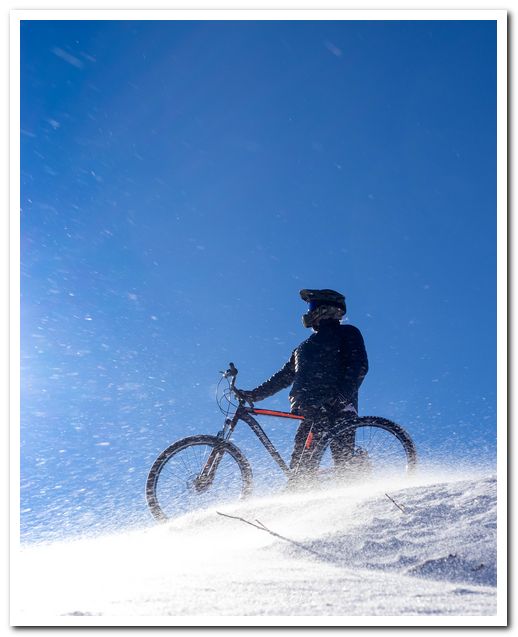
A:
{"x":232,"y":373}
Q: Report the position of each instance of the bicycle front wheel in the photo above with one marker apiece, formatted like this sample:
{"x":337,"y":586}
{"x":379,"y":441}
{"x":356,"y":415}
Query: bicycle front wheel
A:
{"x":368,"y":448}
{"x":196,"y":473}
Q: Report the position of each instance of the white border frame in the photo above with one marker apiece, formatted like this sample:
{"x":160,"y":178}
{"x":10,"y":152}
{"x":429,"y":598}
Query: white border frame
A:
{"x":500,"y":16}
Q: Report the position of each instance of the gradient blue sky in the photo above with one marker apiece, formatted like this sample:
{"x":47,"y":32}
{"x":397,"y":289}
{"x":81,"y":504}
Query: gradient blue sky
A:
{"x":182,"y":181}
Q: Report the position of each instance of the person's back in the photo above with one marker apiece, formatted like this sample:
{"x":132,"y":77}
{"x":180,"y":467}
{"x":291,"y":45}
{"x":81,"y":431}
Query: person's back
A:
{"x":329,"y":365}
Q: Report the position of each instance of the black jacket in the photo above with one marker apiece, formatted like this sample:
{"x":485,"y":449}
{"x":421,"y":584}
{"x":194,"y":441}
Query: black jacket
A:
{"x":331,"y":364}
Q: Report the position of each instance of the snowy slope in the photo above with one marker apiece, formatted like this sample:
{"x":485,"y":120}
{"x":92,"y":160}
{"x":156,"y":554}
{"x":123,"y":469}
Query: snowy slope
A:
{"x":349,"y":552}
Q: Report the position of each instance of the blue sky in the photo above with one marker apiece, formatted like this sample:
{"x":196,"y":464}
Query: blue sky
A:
{"x":182,"y":181}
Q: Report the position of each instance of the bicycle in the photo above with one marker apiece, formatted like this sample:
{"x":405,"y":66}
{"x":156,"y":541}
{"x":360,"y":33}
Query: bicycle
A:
{"x":200,"y":470}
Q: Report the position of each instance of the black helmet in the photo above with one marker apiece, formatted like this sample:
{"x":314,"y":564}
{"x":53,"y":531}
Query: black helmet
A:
{"x":323,"y":304}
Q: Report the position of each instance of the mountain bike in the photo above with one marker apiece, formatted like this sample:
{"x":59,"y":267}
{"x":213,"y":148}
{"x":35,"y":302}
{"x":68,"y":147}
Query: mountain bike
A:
{"x":199,"y":471}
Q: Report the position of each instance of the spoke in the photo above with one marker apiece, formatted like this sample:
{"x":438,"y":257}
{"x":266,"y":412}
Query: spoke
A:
{"x":372,"y":444}
{"x":183,"y":460}
{"x":385,"y":451}
{"x":386,"y":441}
{"x":176,"y":472}
{"x":204,"y":451}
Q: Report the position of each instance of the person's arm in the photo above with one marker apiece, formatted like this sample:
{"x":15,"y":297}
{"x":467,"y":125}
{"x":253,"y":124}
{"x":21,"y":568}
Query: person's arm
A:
{"x":357,"y":361}
{"x":280,"y":380}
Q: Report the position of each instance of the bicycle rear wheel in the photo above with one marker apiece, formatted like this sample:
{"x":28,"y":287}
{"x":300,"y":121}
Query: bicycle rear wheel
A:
{"x":196,"y":473}
{"x":379,"y":449}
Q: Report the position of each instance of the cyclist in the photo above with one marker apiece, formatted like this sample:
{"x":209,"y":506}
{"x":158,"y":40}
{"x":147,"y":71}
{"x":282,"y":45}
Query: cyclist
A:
{"x":325,"y":372}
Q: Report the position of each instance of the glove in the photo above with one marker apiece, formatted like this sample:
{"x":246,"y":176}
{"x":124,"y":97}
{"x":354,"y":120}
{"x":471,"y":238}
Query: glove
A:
{"x":247,"y":395}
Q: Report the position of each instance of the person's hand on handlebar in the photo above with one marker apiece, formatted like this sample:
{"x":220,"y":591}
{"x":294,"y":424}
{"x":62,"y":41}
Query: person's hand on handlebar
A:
{"x":246,"y":395}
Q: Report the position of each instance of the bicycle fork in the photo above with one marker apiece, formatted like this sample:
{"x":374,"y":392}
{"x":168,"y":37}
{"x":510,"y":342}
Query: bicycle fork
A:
{"x":206,"y":476}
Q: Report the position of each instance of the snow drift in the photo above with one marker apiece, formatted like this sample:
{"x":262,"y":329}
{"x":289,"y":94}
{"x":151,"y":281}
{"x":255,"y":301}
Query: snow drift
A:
{"x":428,"y":549}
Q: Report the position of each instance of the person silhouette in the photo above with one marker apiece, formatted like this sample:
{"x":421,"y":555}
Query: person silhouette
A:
{"x":325,"y":373}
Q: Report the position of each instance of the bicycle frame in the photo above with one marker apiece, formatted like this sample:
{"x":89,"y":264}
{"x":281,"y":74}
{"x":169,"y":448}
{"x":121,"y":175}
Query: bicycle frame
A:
{"x":245,"y":414}
{"x":206,"y":476}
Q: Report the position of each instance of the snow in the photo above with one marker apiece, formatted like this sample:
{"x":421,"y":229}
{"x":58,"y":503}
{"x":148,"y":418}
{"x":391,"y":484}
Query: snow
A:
{"x":348,"y":553}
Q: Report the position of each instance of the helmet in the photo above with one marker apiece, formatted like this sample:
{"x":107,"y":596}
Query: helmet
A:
{"x":323,"y":304}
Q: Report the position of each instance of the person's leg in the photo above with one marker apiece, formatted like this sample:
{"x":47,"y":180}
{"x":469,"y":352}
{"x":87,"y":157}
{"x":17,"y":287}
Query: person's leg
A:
{"x":304,"y":460}
{"x":342,"y":447}
{"x":299,"y":443}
